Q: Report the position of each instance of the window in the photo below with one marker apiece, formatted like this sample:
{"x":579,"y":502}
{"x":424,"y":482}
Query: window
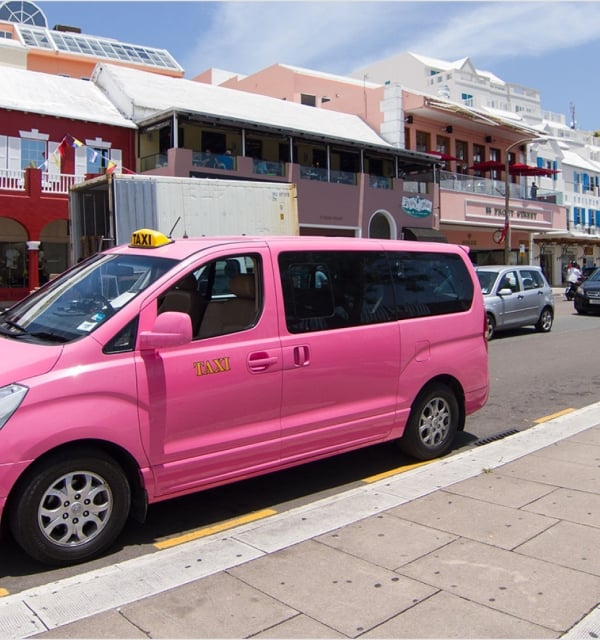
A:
{"x":442,"y":144}
{"x":427,"y":284}
{"x":33,"y":153}
{"x":462,"y":154}
{"x":223,"y":296}
{"x":325,"y":290}
{"x":423,"y":141}
{"x":308,"y":100}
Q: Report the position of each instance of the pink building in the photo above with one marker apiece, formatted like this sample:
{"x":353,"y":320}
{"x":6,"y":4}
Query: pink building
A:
{"x":473,"y":148}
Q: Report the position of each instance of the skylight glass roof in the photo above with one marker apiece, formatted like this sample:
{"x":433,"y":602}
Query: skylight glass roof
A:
{"x":106,"y":48}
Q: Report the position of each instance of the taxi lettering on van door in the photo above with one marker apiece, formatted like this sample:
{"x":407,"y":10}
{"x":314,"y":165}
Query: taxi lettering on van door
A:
{"x":218,"y":365}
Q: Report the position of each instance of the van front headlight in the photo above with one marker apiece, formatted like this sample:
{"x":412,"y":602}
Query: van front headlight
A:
{"x":11,"y":397}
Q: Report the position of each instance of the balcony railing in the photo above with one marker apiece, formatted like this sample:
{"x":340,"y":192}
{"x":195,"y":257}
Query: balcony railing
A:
{"x":380,"y":182}
{"x":14,"y":180}
{"x":268,"y":167}
{"x":155,"y":161}
{"x":323,"y":175}
{"x":497,"y":188}
{"x":214,"y":160}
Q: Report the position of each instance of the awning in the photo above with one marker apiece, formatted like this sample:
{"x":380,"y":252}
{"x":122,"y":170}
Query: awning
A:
{"x":488,"y":165}
{"x":423,"y":234}
{"x":444,"y":156}
{"x":519,"y":169}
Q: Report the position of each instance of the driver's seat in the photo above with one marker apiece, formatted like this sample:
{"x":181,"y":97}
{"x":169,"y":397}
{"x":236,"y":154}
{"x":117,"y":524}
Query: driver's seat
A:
{"x":184,"y":297}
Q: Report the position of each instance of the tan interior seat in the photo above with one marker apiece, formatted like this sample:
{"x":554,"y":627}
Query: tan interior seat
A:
{"x":231,"y":314}
{"x":184,"y":297}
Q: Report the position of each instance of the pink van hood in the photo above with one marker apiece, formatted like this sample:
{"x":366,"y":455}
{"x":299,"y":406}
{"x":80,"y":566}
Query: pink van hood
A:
{"x":21,"y":360}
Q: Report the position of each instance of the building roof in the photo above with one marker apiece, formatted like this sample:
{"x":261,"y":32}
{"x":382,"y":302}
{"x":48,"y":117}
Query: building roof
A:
{"x":140,"y":95}
{"x":575,"y":160}
{"x":456,"y":64}
{"x":48,"y":94}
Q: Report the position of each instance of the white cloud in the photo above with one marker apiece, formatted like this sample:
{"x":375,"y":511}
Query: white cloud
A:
{"x":341,"y":36}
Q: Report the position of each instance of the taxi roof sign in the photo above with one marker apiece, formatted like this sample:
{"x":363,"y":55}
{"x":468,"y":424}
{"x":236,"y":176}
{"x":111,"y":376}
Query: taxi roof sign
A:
{"x":148,"y":239}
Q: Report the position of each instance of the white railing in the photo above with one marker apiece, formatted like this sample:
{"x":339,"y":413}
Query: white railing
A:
{"x":14,"y":180}
{"x":497,"y":188}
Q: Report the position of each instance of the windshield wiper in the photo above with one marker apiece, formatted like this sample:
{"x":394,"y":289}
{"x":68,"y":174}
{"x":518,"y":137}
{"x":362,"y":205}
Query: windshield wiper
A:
{"x":50,"y":337}
{"x":14,"y":325}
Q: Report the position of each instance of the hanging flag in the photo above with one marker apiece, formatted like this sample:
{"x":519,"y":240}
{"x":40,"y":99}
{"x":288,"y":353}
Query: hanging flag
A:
{"x":111,"y":166}
{"x":503,"y":233}
{"x":55,"y":157}
{"x":92,"y":154}
{"x":44,"y":165}
{"x":62,"y":147}
{"x":77,"y":143}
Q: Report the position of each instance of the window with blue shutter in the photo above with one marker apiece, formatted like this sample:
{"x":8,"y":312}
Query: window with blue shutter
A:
{"x":576,"y":215}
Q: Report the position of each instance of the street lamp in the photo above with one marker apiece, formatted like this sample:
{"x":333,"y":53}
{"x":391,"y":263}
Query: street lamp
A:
{"x":506,"y":230}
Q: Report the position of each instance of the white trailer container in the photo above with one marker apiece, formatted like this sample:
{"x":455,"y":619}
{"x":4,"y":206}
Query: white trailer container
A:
{"x":104,"y":211}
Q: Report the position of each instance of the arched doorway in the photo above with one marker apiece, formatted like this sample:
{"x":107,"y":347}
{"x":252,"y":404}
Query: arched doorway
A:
{"x":13,"y":254}
{"x":382,"y":226}
{"x":54,"y":250}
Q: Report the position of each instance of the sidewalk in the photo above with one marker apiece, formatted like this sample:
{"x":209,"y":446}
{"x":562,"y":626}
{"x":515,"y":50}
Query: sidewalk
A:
{"x":498,"y":541}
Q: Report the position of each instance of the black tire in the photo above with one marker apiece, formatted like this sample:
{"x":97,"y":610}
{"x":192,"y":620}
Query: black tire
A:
{"x":70,"y":507}
{"x":544,"y":324}
{"x":432,"y":423}
{"x":490,"y":331}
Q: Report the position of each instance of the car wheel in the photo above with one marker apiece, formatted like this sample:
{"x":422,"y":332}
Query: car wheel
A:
{"x":490,"y":326}
{"x":544,"y":324}
{"x":432,"y":423}
{"x":70,"y":507}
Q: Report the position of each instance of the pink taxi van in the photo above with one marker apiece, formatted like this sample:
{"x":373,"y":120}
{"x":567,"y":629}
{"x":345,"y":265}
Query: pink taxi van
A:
{"x":163,"y":367}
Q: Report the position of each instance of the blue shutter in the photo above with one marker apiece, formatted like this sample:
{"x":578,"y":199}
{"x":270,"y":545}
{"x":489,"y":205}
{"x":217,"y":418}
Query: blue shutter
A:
{"x":575,"y":215}
{"x":597,"y":217}
{"x":540,"y":162}
{"x":555,"y":167}
{"x":586,"y":181}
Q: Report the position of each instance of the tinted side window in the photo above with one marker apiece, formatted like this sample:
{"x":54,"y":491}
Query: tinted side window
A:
{"x":334,"y":289}
{"x":428,"y":284}
{"x":532,"y":279}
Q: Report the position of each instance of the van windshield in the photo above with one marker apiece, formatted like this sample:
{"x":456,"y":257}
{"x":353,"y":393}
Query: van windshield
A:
{"x":80,"y":300}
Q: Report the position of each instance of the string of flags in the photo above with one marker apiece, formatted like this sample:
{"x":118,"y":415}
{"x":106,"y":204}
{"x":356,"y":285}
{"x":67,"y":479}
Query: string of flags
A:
{"x":70,"y":141}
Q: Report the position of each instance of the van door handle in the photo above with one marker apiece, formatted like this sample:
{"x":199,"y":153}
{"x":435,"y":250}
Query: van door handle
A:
{"x":301,"y":356}
{"x":261,"y":361}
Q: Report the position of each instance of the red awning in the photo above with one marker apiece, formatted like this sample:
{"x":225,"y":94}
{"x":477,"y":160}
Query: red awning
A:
{"x":488,"y":165}
{"x":519,"y":169}
{"x":444,"y":156}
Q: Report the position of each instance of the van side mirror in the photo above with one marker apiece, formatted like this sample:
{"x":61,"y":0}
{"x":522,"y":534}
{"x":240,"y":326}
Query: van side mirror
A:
{"x":171,"y":329}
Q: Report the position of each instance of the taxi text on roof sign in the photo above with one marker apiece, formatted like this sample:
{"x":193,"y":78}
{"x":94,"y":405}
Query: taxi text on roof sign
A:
{"x":148,"y":239}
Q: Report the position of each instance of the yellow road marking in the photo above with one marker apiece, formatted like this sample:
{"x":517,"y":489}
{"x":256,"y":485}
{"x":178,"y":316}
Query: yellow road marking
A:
{"x":217,"y":528}
{"x":4,"y":592}
{"x":395,"y":472}
{"x":554,"y":415}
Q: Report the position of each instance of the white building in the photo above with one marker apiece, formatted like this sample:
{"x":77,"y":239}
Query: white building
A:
{"x":573,"y":154}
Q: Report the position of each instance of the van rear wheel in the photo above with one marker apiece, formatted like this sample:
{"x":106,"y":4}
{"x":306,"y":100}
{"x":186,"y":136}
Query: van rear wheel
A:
{"x":70,"y":507}
{"x":432,"y":423}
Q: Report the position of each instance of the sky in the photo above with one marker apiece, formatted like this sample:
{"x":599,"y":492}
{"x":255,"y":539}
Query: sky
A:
{"x":549,"y":45}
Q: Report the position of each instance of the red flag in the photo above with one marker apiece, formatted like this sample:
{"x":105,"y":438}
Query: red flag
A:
{"x":62,"y":147}
{"x":503,"y":234}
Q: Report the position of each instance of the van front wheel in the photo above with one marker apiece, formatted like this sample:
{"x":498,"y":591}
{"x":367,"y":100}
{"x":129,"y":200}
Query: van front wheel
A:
{"x":70,"y":507}
{"x":432,"y":423}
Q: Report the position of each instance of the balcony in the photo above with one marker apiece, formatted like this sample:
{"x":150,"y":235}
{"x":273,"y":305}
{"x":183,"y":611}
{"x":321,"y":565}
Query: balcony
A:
{"x":59,"y":183}
{"x":463,"y":183}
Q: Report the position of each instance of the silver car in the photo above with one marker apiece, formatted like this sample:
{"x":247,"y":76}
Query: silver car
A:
{"x":516,"y":296}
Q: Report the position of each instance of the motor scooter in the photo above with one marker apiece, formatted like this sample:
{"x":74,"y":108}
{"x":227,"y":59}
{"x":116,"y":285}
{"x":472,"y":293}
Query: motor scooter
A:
{"x":572,"y":289}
